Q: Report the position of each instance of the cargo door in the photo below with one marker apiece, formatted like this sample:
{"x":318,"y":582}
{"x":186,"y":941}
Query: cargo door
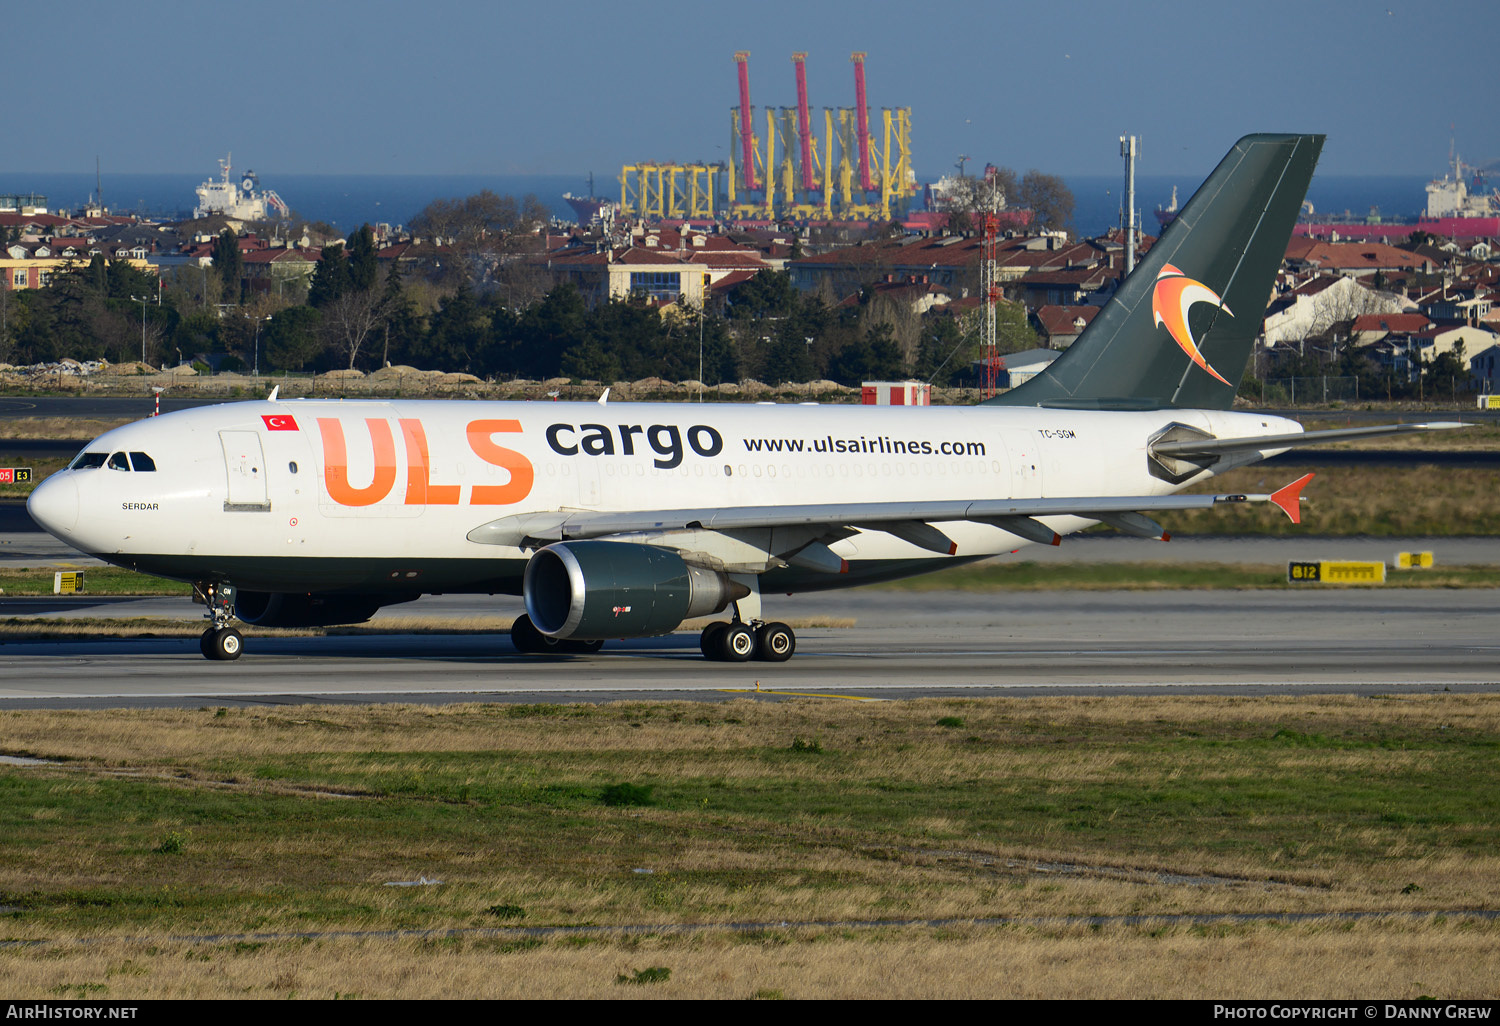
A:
{"x":245,"y":466}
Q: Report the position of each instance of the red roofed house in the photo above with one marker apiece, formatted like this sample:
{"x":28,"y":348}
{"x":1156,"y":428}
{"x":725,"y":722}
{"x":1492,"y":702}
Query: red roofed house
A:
{"x":1060,"y":326}
{"x":1317,"y":305}
{"x":1376,"y":326}
{"x":1354,"y":259}
{"x":268,"y":269}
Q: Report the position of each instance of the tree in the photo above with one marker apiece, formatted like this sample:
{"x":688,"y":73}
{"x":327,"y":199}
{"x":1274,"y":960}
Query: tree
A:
{"x":228,"y":264}
{"x":635,"y":337}
{"x":1048,"y":197}
{"x":789,"y":356}
{"x":348,"y":322}
{"x":364,"y":268}
{"x":544,"y":332}
{"x":875,"y":357}
{"x":192,"y":287}
{"x":946,"y":349}
{"x":768,"y":294}
{"x":292,"y":337}
{"x":99,"y":274}
{"x":7,"y":317}
{"x":482,"y":230}
{"x":457,"y":335}
{"x":1013,"y":331}
{"x":396,"y":311}
{"x":960,"y":222}
{"x":330,"y":278}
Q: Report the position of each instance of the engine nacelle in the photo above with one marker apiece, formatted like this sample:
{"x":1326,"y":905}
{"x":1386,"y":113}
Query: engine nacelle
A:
{"x":601,"y":589}
{"x":276,"y":609}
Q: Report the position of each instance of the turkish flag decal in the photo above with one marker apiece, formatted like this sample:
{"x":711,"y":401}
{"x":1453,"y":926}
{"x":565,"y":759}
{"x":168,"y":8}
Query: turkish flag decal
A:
{"x":279,"y":422}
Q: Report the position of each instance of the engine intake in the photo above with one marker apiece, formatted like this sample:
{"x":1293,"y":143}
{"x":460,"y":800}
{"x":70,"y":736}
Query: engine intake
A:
{"x":278,"y":609}
{"x":602,"y":589}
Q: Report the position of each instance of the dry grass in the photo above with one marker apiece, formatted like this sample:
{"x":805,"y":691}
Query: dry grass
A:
{"x":59,"y":428}
{"x":1456,"y":960}
{"x":1381,"y":501}
{"x":147,"y":737}
{"x":1482,"y":436}
{"x":291,"y":819}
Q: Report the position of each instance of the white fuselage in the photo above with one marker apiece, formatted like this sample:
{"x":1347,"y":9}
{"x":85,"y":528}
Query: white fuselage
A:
{"x":308,"y":494}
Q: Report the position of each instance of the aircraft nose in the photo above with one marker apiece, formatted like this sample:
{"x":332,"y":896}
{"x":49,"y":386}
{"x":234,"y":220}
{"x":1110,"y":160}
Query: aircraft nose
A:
{"x":54,"y":504}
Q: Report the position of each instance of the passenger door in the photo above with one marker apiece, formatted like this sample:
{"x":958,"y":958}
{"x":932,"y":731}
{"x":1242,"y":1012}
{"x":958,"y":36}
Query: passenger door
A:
{"x":245,"y":465}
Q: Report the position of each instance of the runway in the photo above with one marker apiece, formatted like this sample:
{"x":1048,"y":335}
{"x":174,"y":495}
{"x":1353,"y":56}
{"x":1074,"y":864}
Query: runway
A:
{"x":902,"y":645}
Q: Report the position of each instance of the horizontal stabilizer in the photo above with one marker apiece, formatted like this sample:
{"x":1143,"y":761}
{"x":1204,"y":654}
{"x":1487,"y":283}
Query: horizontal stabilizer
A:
{"x":1290,"y":498}
{"x":1216,"y":446}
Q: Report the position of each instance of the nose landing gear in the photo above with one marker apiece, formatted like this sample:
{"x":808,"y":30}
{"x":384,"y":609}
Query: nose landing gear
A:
{"x":527,"y":639}
{"x":220,"y":641}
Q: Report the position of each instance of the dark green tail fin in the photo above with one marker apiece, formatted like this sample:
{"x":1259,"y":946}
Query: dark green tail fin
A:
{"x":1178,"y":333}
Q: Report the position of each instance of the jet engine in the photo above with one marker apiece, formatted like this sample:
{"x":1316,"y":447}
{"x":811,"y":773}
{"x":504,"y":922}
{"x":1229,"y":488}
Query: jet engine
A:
{"x":299,"y":609}
{"x":602,"y":589}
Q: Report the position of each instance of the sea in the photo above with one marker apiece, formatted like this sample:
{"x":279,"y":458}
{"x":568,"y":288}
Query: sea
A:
{"x":348,"y":201}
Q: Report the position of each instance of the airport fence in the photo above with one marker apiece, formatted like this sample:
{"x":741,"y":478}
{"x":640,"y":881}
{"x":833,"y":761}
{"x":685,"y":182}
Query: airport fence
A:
{"x":1320,"y":389}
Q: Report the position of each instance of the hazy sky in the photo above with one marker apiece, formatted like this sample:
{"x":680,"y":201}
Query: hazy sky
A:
{"x":479,"y":86}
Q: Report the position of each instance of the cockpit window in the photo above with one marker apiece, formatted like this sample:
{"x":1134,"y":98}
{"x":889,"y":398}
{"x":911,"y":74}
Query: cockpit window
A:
{"x":141,"y":462}
{"x":89,"y":461}
{"x":118,"y":462}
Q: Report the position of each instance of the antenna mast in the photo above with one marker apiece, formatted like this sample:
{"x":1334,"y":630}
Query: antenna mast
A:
{"x":990,"y":291}
{"x":1128,"y":151}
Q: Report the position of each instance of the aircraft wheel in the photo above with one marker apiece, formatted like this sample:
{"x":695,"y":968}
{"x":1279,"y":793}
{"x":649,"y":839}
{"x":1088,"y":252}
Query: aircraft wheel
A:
{"x":737,"y":644}
{"x":709,"y":641}
{"x":775,"y":643}
{"x":224,"y":643}
{"x":527,"y":639}
{"x":577,"y":647}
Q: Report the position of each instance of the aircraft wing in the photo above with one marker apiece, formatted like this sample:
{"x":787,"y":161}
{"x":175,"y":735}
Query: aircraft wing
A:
{"x":1015,"y":515}
{"x":1206,"y":446}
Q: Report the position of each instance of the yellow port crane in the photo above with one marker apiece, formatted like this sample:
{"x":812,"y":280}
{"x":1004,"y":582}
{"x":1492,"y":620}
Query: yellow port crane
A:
{"x":650,"y":190}
{"x":853,"y":176}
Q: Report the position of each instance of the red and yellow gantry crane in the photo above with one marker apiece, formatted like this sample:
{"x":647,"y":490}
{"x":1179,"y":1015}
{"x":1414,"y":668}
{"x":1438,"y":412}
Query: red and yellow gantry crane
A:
{"x":784,"y":174}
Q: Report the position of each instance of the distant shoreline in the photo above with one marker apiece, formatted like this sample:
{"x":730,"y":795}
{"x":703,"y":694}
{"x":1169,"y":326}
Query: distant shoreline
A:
{"x":347,"y":201}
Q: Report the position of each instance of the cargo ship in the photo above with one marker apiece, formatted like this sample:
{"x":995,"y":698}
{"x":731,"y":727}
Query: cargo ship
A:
{"x":591,"y":209}
{"x":1457,"y":208}
{"x":242,"y":200}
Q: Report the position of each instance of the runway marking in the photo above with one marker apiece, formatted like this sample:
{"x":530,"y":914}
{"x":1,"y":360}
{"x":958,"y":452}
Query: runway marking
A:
{"x":758,"y":690}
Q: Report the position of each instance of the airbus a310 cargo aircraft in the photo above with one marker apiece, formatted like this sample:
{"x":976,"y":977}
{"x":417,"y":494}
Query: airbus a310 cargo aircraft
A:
{"x":623,"y":520}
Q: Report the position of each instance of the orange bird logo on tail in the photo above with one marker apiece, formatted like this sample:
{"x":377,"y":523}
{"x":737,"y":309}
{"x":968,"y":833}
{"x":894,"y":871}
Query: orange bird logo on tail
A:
{"x":1175,"y":293}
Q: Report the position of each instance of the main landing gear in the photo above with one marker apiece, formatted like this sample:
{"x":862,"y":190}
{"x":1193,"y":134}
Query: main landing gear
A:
{"x":220,"y":641}
{"x":735,"y":641}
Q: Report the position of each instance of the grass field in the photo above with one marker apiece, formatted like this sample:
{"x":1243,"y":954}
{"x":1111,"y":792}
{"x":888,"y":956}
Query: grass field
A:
{"x":1419,"y":501}
{"x":164,"y":824}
